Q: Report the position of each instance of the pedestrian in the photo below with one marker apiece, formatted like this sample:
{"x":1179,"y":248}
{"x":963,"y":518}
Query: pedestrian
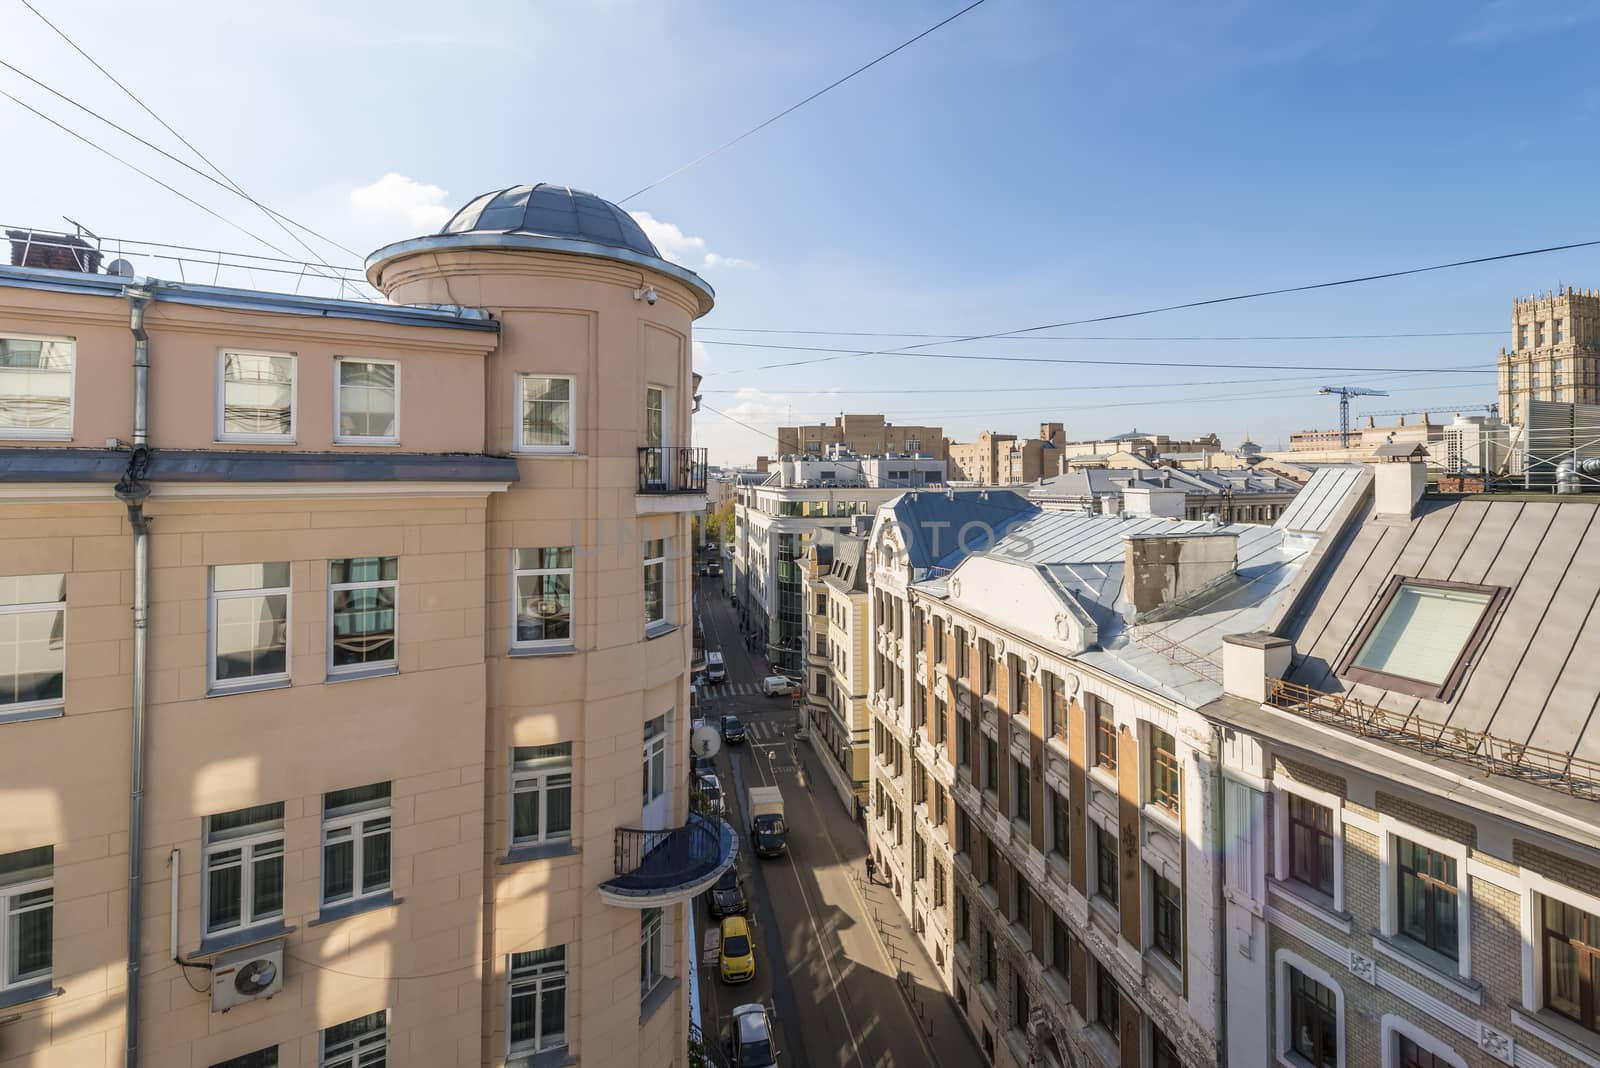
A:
{"x":872,"y":869}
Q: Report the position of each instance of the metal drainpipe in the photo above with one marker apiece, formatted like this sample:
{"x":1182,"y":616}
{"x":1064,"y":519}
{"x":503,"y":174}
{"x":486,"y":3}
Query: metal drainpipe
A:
{"x":1219,"y":863}
{"x":131,"y":490}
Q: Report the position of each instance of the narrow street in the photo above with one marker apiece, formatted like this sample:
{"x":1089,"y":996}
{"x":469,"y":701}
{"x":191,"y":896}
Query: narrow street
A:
{"x":819,"y":964}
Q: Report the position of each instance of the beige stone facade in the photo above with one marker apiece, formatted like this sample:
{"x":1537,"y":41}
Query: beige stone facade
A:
{"x":835,"y":683}
{"x":1554,"y":353}
{"x":501,"y":745}
{"x":864,"y":435}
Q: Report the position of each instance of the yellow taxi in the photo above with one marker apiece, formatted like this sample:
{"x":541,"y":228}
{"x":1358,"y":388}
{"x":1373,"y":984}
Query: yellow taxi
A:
{"x":738,"y":957}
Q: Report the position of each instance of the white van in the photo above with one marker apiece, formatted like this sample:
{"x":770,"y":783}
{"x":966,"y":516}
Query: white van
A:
{"x":777,"y":686}
{"x":716,"y":670}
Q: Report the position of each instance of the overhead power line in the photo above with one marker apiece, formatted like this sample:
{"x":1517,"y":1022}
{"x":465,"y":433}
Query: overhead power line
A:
{"x":1109,"y":337}
{"x":168,"y":155}
{"x":187,"y":143}
{"x":796,"y":107}
{"x":845,"y":354}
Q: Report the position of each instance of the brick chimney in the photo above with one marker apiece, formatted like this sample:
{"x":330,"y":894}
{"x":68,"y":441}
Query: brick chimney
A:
{"x":1162,"y":568}
{"x":57,"y":252}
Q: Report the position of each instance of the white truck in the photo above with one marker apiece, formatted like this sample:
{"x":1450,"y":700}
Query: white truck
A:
{"x":767,"y":829}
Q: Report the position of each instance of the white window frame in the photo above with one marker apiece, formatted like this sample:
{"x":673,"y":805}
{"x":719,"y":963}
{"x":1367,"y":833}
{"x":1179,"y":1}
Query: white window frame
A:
{"x":572,"y":416}
{"x":653,"y":787}
{"x":1280,"y":835}
{"x":338,"y":404}
{"x":652,"y":951}
{"x":1389,"y":892}
{"x":1282,"y":962}
{"x":9,"y":893}
{"x":1396,"y":1026}
{"x":22,"y":709}
{"x":537,"y":780}
{"x":214,"y":686}
{"x":666,"y":584}
{"x":247,"y":846}
{"x":540,"y":979}
{"x":46,"y":433}
{"x":370,"y":667}
{"x":222,"y":391}
{"x":355,"y":826}
{"x":1536,"y":887}
{"x":572,"y":594}
{"x":356,"y":1052}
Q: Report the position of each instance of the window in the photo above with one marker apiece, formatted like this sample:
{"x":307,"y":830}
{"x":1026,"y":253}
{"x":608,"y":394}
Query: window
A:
{"x":1313,"y":1020}
{"x":941,"y":725}
{"x":541,"y":597}
{"x":1411,"y":1055}
{"x":1167,"y":910}
{"x":919,"y":858}
{"x":544,"y":413}
{"x":1163,"y":1054}
{"x":991,"y":763}
{"x":938,"y":642}
{"x":961,"y":653}
{"x":1557,"y":331}
{"x":367,"y":402}
{"x":1060,"y":824}
{"x":36,"y":387}
{"x":655,"y":581}
{"x":537,"y":1000}
{"x":1105,"y":863}
{"x":991,"y":863}
{"x":358,"y":1043}
{"x":990,"y":968}
{"x":962,"y":912}
{"x":1570,"y":956}
{"x":1421,"y":636}
{"x":249,"y":625}
{"x":1163,"y":769}
{"x":1055,"y":690}
{"x":261,"y":1058}
{"x":1021,"y":1006}
{"x":1060,"y":942}
{"x":541,"y":794}
{"x":650,"y":955}
{"x":986,"y":661}
{"x":1311,"y":844}
{"x":33,"y":649}
{"x":1107,"y":1003}
{"x":1022,"y":913}
{"x":963,"y":741}
{"x":1427,"y":897}
{"x":257,"y":397}
{"x":243,"y":868}
{"x":1020,"y":798}
{"x":361,"y":606}
{"x":936,"y":816}
{"x":1522,"y":337}
{"x":1103,"y":733}
{"x":938,"y":884}
{"x":655,"y":758}
{"x":355,"y":843}
{"x":27,"y":916}
{"x":963,"y":832}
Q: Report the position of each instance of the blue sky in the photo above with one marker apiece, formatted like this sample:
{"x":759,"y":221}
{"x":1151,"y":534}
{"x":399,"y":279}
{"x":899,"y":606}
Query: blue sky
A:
{"x":1030,"y":163}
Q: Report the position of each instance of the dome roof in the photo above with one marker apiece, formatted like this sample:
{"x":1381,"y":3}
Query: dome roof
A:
{"x":556,"y":211}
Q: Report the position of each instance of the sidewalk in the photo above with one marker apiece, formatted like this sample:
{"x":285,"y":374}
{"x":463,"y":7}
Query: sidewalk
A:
{"x":946,"y":1036}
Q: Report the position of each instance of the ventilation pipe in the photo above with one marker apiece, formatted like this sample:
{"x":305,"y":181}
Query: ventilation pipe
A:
{"x":131,"y":490}
{"x":1568,"y":470}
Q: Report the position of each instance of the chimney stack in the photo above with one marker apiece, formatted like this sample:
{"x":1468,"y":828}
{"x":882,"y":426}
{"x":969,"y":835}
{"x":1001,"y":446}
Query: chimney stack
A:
{"x":1162,"y":568}
{"x":56,"y":252}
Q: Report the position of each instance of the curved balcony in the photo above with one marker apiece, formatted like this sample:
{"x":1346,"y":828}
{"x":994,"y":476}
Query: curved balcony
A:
{"x":663,"y":867}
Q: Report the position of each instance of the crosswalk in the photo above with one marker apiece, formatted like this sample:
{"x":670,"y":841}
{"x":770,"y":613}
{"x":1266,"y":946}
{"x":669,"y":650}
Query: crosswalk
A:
{"x":766,"y":730}
{"x":734,"y":689}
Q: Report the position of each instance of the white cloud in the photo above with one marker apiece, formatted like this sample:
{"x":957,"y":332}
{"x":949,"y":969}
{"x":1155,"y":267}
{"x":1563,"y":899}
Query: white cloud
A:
{"x":396,"y":198}
{"x":700,"y":357}
{"x":683,"y":248}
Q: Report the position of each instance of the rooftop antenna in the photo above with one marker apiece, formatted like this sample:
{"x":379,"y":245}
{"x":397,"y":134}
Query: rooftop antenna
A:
{"x":1344,"y":393}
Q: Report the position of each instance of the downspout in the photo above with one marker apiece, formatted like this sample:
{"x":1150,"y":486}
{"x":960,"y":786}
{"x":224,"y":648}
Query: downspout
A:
{"x":1219,"y":862}
{"x":131,"y":490}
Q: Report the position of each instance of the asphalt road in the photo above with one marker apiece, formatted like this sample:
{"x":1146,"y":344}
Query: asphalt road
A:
{"x":819,"y":965}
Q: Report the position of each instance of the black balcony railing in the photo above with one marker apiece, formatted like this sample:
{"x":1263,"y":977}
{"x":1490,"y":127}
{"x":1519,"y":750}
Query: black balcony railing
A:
{"x":672,"y":469}
{"x":665,"y":862}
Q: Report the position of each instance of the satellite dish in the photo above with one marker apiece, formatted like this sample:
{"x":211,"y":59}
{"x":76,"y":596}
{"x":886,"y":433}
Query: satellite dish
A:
{"x":706,"y":741}
{"x":121,"y":268}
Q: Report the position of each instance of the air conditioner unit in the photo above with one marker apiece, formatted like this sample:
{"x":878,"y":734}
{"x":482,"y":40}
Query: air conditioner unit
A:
{"x":252,"y":974}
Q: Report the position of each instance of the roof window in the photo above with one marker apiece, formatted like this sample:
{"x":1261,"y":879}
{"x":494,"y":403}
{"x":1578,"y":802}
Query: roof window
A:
{"x":1421,"y":636}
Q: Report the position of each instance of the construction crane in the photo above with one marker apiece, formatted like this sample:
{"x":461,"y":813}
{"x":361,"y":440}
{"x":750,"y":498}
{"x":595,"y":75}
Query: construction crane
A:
{"x":1491,"y":408}
{"x":1344,"y":393}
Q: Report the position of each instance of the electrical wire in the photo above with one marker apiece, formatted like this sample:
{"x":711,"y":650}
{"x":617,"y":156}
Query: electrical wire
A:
{"x":796,"y":107}
{"x":189,"y":145}
{"x":1208,"y":302}
{"x":168,"y":155}
{"x":1085,"y":337}
{"x":844,"y":353}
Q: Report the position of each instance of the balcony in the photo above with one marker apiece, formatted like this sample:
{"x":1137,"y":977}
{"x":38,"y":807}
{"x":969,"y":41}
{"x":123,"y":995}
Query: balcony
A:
{"x":663,"y":867}
{"x":672,"y":469}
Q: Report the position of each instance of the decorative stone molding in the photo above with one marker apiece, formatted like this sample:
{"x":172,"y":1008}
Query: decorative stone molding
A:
{"x":999,"y":647}
{"x":1502,"y":1047}
{"x":1063,"y":627}
{"x":1072,"y":683}
{"x":1363,"y":968}
{"x":1033,"y":663}
{"x":955,"y":587}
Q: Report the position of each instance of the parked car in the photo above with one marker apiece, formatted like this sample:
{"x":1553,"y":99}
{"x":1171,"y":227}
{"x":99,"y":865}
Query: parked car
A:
{"x":777,"y":686}
{"x":752,"y":1038}
{"x":738,"y":955}
{"x":732,"y":729}
{"x":714,"y":569}
{"x":710,"y":788}
{"x":700,"y":765}
{"x":716,"y":668}
{"x":727,"y":896}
